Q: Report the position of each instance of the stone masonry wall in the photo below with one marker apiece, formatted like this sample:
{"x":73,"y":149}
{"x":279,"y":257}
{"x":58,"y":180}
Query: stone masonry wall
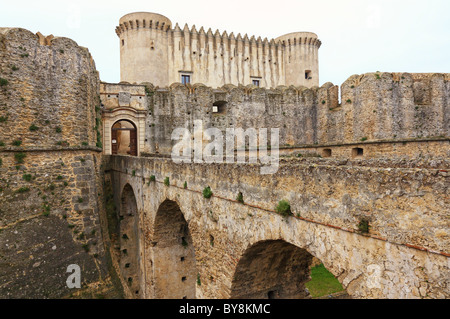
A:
{"x":51,"y":183}
{"x":404,"y":254}
{"x":372,"y":107}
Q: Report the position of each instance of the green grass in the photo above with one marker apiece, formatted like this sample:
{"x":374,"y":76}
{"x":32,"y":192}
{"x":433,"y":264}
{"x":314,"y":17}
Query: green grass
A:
{"x":322,"y":282}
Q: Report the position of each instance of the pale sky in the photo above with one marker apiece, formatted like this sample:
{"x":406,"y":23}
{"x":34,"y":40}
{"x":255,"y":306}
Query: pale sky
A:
{"x":358,"y":36}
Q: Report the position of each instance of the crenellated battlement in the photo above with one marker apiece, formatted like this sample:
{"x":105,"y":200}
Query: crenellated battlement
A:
{"x":224,"y":37}
{"x":143,"y":20}
{"x":299,"y":38}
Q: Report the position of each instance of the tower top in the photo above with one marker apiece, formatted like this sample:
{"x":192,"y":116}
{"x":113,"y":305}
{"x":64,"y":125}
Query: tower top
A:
{"x":137,"y":20}
{"x":299,"y":38}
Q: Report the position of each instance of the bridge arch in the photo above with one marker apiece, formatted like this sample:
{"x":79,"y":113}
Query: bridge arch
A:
{"x":174,"y":264}
{"x":272,"y":269}
{"x":129,"y":260}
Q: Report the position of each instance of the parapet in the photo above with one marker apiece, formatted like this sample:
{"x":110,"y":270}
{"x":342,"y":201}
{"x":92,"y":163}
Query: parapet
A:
{"x":147,"y":20}
{"x":295,"y":38}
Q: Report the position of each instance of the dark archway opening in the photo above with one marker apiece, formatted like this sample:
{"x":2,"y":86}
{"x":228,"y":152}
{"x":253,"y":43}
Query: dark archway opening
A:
{"x":124,"y":138}
{"x":129,"y":240}
{"x":174,"y":255}
{"x":275,"y":269}
{"x":272,"y":269}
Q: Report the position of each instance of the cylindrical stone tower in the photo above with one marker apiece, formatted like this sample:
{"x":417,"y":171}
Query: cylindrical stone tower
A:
{"x":143,"y":48}
{"x":301,"y":58}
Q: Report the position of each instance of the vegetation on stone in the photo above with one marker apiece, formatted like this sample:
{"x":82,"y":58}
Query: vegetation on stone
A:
{"x":284,"y":208}
{"x":207,"y":192}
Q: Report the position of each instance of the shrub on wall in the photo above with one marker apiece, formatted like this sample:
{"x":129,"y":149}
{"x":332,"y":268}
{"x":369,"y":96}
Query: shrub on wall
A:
{"x":16,"y":143}
{"x":240,"y":198}
{"x":152,"y":179}
{"x":19,"y":157}
{"x":23,"y":190}
{"x":364,"y":226}
{"x":207,"y":192}
{"x":284,"y":208}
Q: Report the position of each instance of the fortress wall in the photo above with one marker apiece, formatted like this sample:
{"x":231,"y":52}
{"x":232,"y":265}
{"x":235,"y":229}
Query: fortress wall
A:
{"x":245,"y":108}
{"x":390,"y":107}
{"x":393,"y":149}
{"x":50,"y":222}
{"x":44,"y":84}
{"x":51,"y":184}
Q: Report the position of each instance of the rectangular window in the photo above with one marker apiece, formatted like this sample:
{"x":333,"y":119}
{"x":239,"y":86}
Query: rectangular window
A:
{"x":357,"y":152}
{"x":185,"y":79}
{"x":256,"y":82}
{"x":308,"y":75}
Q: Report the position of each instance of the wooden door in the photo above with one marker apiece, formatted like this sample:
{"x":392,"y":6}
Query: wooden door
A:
{"x":133,"y":142}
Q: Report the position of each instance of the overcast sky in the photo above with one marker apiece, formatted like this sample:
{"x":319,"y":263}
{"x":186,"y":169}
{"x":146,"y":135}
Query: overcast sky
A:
{"x":358,"y":36}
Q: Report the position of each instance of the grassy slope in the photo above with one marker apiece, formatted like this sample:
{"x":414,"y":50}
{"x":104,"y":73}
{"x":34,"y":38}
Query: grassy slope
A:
{"x":322,"y":282}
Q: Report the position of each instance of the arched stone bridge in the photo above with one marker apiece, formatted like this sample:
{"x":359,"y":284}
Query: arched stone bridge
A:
{"x":172,"y":242}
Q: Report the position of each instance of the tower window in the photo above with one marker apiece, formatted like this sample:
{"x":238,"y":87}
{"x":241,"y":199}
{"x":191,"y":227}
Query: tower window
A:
{"x":308,"y":75}
{"x":123,"y":42}
{"x":256,"y":82}
{"x":185,"y":79}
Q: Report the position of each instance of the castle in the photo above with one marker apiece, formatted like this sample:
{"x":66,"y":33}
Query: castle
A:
{"x":86,"y":176}
{"x":152,"y":51}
